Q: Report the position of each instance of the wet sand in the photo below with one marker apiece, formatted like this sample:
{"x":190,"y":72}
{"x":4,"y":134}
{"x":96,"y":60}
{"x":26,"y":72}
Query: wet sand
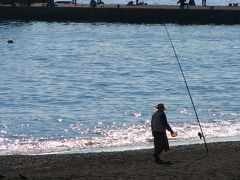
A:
{"x":191,"y":162}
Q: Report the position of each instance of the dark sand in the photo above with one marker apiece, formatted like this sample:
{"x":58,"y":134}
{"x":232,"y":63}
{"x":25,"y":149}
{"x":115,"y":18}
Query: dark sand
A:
{"x":192,"y":162}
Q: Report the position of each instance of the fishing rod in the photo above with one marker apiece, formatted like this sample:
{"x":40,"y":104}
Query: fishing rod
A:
{"x":185,"y":81}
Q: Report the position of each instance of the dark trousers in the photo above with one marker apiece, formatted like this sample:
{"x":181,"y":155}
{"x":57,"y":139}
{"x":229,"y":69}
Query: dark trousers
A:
{"x":160,"y":143}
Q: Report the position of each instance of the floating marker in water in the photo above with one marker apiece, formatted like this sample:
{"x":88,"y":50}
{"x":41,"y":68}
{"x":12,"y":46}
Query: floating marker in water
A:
{"x":10,"y":41}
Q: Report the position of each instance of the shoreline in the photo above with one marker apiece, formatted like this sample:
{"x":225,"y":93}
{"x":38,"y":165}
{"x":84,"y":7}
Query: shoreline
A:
{"x":192,"y":162}
{"x":144,"y":146}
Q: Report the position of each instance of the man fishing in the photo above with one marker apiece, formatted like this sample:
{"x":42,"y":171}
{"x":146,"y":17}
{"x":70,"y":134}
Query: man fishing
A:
{"x":159,"y":126}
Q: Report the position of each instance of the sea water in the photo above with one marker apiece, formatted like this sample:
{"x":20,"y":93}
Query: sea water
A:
{"x":76,"y":87}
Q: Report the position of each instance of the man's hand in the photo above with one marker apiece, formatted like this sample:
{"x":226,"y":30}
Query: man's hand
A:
{"x":174,"y":134}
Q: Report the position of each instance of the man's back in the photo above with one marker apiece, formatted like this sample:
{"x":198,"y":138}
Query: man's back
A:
{"x":157,"y":122}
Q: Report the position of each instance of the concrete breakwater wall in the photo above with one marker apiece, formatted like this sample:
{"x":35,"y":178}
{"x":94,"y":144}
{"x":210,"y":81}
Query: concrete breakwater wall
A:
{"x":125,"y":14}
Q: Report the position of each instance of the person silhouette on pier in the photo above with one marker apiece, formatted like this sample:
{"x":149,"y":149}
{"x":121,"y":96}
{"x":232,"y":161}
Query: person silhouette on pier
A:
{"x":191,"y":3}
{"x":204,"y":2}
{"x":93,"y":3}
{"x":182,"y":4}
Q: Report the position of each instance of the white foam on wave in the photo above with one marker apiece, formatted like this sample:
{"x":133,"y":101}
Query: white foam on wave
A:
{"x":127,"y":135}
{"x":210,"y":129}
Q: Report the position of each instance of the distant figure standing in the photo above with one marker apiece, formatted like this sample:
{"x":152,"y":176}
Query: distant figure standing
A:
{"x":191,"y":3}
{"x":204,"y":2}
{"x":93,"y":3}
{"x":50,"y":3}
{"x":182,"y":3}
{"x":159,"y":125}
{"x":100,"y":2}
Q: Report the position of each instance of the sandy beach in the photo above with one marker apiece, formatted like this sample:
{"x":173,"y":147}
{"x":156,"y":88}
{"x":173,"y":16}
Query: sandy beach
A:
{"x":191,"y":162}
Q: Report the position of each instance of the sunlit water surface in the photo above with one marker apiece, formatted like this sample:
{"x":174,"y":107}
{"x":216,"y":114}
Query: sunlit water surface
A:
{"x":84,"y":86}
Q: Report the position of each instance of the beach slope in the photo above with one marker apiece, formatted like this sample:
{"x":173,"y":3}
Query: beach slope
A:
{"x":191,"y":162}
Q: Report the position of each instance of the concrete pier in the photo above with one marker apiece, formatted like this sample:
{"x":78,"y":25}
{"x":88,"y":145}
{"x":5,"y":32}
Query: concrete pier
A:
{"x":124,"y":13}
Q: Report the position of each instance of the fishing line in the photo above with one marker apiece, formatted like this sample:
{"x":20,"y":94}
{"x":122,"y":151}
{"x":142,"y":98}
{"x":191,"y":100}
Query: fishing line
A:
{"x":185,"y":81}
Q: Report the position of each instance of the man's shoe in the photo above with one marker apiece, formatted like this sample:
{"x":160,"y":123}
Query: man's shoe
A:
{"x":158,"y":161}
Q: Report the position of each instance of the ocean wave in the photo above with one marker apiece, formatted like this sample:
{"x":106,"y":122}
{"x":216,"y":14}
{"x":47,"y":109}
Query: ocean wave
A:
{"x":127,"y":135}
